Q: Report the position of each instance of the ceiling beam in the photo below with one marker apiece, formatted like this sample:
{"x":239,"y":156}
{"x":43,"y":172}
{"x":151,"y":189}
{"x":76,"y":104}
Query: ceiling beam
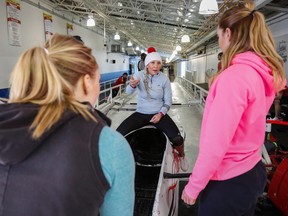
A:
{"x":273,"y":8}
{"x":154,"y":22}
{"x":92,"y":5}
{"x":261,"y":3}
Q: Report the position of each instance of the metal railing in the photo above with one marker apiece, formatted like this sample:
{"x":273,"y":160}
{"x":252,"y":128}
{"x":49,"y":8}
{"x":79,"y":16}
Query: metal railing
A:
{"x":106,"y":101}
{"x":197,"y":92}
{"x":105,"y":90}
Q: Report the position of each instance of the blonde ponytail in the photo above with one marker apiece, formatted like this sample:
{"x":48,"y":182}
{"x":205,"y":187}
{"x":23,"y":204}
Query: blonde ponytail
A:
{"x":250,"y":33}
{"x":47,"y":77}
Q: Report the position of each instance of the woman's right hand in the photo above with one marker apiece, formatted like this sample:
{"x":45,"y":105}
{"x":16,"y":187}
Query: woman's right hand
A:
{"x":133,"y":82}
{"x":186,"y":199}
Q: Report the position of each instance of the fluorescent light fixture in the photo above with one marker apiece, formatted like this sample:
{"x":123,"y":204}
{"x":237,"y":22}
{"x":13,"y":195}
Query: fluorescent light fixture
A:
{"x":90,"y":21}
{"x":208,"y":7}
{"x":185,"y":39}
{"x":117,"y":36}
{"x":172,"y":56}
{"x":178,"y":48}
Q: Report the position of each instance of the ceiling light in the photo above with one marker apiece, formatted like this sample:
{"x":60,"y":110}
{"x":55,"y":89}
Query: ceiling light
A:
{"x":129,"y":43}
{"x":137,"y":47}
{"x":90,"y":21}
{"x":185,"y":39}
{"x":180,"y":13}
{"x":208,"y":7}
{"x":178,"y":48}
{"x":193,"y":9}
{"x":117,"y":36}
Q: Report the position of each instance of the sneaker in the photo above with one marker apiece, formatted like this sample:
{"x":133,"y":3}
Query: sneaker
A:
{"x":183,"y":164}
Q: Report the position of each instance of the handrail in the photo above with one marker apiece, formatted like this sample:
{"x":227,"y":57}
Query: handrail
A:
{"x":193,"y":89}
{"x":108,"y":81}
{"x":105,"y":101}
{"x":106,"y":90}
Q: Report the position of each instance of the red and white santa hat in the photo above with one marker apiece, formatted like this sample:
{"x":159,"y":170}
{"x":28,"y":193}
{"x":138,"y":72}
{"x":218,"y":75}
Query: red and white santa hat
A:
{"x":152,"y":56}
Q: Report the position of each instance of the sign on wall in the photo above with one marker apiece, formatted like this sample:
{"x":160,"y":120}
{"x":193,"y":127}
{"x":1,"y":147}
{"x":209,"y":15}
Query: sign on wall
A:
{"x":282,"y":50}
{"x":13,"y":22}
{"x":48,"y":26}
{"x":69,"y":29}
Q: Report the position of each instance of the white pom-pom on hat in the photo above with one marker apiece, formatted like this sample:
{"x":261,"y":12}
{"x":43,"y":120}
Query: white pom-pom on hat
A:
{"x":152,"y":56}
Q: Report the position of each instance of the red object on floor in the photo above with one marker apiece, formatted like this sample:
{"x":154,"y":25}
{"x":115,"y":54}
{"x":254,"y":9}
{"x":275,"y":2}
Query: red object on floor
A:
{"x":278,"y":188}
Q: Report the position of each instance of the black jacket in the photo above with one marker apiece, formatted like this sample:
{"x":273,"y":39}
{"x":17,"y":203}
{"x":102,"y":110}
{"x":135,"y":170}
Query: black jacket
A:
{"x":58,"y":175}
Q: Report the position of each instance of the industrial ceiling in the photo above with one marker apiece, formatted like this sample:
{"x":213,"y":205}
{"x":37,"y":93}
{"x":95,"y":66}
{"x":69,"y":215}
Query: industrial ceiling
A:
{"x":158,"y":23}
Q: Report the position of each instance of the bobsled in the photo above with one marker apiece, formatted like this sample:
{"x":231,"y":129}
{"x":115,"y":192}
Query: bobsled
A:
{"x":154,"y":156}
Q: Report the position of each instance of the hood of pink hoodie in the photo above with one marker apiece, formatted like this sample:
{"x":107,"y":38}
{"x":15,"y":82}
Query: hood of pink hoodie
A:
{"x":261,"y":67}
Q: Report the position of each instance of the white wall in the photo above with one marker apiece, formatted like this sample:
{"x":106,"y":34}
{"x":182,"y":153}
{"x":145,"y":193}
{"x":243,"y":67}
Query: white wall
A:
{"x":199,"y":64}
{"x":32,"y":33}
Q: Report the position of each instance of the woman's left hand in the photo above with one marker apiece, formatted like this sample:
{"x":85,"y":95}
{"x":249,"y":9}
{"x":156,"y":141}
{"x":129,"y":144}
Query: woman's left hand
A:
{"x":156,"y":118}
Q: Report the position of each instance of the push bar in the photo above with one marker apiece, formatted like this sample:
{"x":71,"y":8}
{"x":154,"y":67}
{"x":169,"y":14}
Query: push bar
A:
{"x":175,"y":175}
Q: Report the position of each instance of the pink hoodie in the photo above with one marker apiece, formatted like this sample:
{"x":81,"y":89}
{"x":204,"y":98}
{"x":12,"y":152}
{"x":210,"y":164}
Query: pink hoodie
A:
{"x":233,"y":125}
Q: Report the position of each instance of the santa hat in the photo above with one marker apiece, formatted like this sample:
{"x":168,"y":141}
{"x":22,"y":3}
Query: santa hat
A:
{"x":152,"y":56}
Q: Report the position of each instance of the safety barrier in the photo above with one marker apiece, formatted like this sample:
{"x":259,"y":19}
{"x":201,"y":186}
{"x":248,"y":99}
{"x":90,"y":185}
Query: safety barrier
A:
{"x":106,"y":102}
{"x":193,"y":89}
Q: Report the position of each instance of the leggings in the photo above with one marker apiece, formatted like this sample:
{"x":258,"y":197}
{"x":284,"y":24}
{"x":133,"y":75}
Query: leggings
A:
{"x":233,"y":197}
{"x":166,"y":125}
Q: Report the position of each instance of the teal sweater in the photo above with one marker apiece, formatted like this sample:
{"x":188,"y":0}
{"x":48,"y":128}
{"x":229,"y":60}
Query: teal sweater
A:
{"x":119,"y":169}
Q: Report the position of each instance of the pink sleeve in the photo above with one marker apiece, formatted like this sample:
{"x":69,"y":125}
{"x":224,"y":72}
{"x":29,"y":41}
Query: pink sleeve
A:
{"x":224,"y":107}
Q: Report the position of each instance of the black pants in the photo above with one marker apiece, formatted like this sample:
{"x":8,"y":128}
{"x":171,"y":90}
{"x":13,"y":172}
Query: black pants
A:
{"x":166,"y":125}
{"x":233,"y":197}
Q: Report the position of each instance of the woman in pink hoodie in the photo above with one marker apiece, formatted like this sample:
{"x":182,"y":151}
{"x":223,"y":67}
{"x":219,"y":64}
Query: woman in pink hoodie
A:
{"x":228,"y":169}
